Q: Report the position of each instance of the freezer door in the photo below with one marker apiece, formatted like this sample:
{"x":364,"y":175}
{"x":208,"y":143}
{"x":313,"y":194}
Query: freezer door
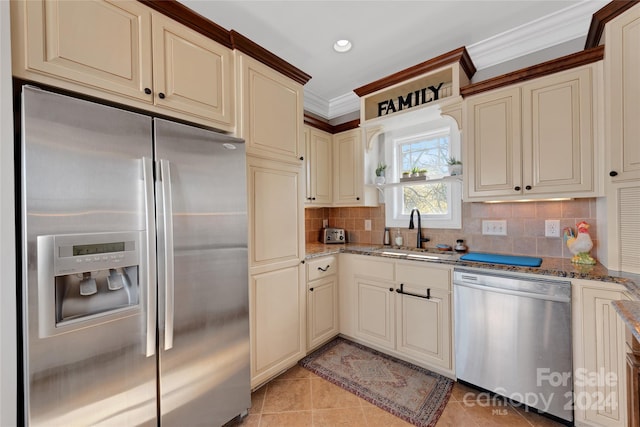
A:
{"x":202,"y":276}
{"x":83,"y":174}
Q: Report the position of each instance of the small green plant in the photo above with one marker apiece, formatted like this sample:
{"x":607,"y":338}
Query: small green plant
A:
{"x":380,"y":169}
{"x":415,"y":170}
{"x":453,"y":161}
{"x":422,"y":171}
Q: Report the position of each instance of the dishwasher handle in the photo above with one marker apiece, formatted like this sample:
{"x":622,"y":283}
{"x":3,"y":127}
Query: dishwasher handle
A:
{"x":512,"y":292}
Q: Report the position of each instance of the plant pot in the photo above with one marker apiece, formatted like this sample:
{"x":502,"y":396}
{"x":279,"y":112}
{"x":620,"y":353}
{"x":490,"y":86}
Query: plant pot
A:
{"x":380,"y":180}
{"x":455,"y":170}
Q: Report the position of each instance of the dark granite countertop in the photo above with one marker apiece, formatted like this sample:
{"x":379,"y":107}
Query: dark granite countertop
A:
{"x":557,"y":267}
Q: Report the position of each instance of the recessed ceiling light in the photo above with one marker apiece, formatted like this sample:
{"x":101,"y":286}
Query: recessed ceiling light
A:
{"x":342,"y":46}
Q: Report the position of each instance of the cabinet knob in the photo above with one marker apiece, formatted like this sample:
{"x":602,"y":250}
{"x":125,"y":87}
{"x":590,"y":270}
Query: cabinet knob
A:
{"x":517,"y":188}
{"x":308,"y":198}
{"x":311,"y":289}
{"x":302,"y":262}
{"x":390,"y":289}
{"x":147,"y":91}
{"x":161,"y":95}
{"x":613,"y":173}
{"x":313,"y":198}
{"x":357,"y":198}
{"x":301,"y":158}
{"x":528,"y":187}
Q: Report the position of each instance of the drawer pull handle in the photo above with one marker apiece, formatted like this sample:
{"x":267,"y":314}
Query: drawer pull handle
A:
{"x":402,"y":292}
{"x":324,"y":269}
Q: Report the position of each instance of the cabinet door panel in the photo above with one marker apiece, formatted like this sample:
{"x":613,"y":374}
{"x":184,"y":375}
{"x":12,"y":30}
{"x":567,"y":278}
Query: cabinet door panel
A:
{"x":376,"y":319}
{"x":424,"y":327}
{"x":348,"y":161}
{"x":557,"y":133}
{"x":277,"y":218}
{"x":320,"y":167}
{"x":322,"y":315}
{"x":494,"y":144}
{"x":277,"y":327}
{"x":194,"y":73}
{"x":272,"y":111}
{"x":102,"y":44}
{"x":622,"y":68}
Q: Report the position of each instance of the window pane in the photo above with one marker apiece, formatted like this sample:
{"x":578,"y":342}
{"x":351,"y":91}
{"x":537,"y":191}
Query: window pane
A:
{"x":430,"y":154}
{"x":429,"y":199}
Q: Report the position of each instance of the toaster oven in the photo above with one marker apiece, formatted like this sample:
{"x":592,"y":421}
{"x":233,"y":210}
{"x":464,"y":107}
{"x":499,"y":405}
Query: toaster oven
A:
{"x":333,"y":235}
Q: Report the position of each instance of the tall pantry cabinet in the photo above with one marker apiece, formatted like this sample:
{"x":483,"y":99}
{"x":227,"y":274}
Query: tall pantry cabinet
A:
{"x":622,"y":124}
{"x":276,"y":184}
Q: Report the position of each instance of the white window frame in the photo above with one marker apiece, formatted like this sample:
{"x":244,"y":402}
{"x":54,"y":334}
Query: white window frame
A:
{"x":394,"y":194}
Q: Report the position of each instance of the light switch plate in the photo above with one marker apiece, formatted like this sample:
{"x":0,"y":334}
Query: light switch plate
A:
{"x":325,"y":223}
{"x":494,"y":227}
{"x":367,"y":225}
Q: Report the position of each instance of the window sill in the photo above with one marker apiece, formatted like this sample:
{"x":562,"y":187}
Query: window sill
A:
{"x":418,"y":182}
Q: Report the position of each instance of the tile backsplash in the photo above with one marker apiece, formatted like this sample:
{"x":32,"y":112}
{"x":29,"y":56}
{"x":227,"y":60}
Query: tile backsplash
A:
{"x":525,"y":226}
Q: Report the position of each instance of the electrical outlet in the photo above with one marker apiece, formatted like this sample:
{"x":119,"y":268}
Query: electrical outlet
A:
{"x":552,"y":228}
{"x":325,"y":223}
{"x":494,"y":227}
{"x":367,"y":225}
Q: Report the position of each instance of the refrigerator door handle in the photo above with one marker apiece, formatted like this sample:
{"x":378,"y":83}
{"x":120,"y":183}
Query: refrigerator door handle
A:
{"x":150,"y":288}
{"x":165,"y":169}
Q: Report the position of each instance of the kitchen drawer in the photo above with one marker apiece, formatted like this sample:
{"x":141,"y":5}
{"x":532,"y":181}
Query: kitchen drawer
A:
{"x":417,"y":273}
{"x":321,"y":267}
{"x":375,"y":267}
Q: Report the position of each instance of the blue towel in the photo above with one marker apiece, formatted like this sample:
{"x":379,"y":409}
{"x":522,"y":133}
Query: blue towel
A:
{"x":524,"y":261}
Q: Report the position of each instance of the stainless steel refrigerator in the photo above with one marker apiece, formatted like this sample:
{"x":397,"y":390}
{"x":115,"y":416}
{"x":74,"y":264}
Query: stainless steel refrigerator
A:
{"x":134,"y":277}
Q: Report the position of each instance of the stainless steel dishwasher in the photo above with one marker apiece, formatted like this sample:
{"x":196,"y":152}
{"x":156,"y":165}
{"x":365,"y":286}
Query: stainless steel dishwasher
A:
{"x":513,"y":338}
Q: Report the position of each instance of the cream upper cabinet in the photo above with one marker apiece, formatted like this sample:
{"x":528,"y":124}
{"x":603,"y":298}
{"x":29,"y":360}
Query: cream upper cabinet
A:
{"x":124,"y":52}
{"x":319,"y":167}
{"x":493,"y":144}
{"x":271,"y":118}
{"x":599,"y":354}
{"x":348,"y":161}
{"x":534,"y":140}
{"x":622,"y":86}
{"x":192,"y":73}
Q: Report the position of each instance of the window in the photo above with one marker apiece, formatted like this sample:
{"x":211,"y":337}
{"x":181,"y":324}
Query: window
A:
{"x":424,"y":147}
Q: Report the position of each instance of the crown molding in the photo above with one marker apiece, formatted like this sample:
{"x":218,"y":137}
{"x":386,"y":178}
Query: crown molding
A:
{"x":315,"y":104}
{"x":562,"y":26}
{"x":345,"y":104}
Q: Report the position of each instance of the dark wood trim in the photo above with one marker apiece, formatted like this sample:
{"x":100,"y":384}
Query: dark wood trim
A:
{"x":322,"y":124}
{"x":317,"y":123}
{"x":343,"y":127}
{"x":459,"y":55}
{"x":604,"y":15}
{"x":231,"y":39}
{"x":243,"y":44}
{"x":539,"y":70}
{"x":182,"y":14}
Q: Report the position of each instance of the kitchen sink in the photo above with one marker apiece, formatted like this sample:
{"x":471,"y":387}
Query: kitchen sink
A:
{"x":425,"y":254}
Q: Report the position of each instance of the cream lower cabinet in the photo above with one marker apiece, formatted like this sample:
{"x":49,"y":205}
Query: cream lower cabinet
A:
{"x":535,"y":140}
{"x":124,"y":52}
{"x":411,"y":327}
{"x":322,"y":300}
{"x":599,"y":355}
{"x":277,"y":293}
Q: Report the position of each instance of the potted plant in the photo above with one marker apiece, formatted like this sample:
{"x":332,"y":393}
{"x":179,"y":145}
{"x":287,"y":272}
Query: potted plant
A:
{"x":415,"y":171}
{"x":380,"y":179}
{"x":455,"y":166}
{"x":422,"y":172}
{"x":406,"y":174}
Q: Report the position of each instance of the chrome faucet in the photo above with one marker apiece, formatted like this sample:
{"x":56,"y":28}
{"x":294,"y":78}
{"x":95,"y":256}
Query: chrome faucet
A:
{"x":411,"y":227}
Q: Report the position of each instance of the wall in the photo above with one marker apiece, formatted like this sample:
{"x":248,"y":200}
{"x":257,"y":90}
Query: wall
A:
{"x":525,"y":226}
{"x":8,"y":355}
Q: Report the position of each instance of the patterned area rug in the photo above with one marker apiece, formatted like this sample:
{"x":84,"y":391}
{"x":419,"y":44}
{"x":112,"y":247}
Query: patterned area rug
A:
{"x":414,"y":394}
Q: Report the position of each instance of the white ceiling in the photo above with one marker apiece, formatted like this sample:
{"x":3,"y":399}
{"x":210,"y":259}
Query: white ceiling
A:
{"x":389,"y":36}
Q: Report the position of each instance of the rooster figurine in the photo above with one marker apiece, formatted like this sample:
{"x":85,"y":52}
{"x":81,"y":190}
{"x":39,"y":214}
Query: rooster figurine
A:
{"x":580,"y":245}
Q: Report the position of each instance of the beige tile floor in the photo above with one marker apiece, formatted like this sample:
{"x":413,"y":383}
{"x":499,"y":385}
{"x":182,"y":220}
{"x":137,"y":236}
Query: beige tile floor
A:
{"x":300,"y":398}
